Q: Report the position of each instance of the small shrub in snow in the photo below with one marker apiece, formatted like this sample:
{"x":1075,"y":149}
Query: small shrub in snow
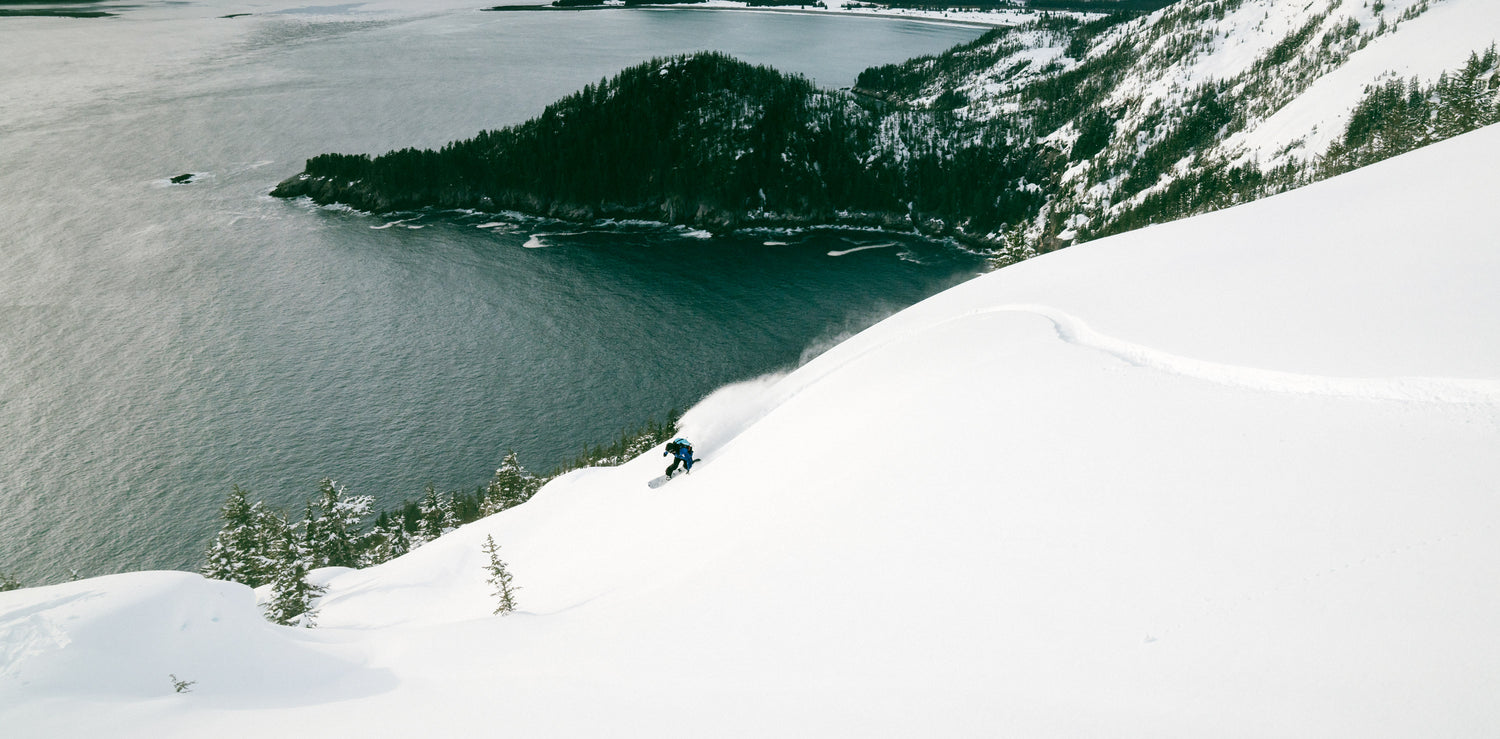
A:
{"x":182,"y":686}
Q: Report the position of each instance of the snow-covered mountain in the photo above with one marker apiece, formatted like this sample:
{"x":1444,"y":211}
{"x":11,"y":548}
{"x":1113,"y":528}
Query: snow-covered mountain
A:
{"x":1229,"y":476}
{"x":1200,"y":105}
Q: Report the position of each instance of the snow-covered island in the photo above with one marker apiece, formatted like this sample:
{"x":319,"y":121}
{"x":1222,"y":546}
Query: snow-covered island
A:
{"x":1229,"y":476}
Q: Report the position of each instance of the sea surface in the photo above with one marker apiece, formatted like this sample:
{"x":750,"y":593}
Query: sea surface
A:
{"x":162,"y":342}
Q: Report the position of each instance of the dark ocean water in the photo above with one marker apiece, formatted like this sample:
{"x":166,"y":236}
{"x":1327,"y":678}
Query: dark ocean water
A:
{"x":160,"y":343}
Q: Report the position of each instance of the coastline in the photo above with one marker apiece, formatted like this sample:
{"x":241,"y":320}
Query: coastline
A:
{"x":963,"y":18}
{"x":587,"y":218}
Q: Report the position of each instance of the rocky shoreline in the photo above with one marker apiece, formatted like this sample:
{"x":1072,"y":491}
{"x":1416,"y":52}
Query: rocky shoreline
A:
{"x":673,"y":212}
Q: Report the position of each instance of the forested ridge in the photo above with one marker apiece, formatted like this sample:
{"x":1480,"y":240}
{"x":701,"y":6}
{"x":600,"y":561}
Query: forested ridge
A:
{"x":1028,"y":139}
{"x":703,"y":140}
{"x":688,"y":138}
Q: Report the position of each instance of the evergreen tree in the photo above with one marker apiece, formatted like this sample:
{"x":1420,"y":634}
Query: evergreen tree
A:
{"x":334,"y":534}
{"x":271,"y":534}
{"x":387,"y":540}
{"x":307,"y":532}
{"x":9,"y":583}
{"x":436,"y":517}
{"x":229,"y":555}
{"x":509,"y":488}
{"x":467,"y":507}
{"x":500,"y":578}
{"x":245,"y":549}
{"x":291,"y":593}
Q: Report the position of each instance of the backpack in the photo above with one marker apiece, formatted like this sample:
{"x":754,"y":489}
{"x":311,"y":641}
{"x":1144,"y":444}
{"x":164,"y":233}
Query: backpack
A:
{"x":674,"y":446}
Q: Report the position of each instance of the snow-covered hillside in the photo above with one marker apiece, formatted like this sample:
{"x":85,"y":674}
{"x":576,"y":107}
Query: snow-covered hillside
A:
{"x":1320,"y":56}
{"x":1200,"y":105}
{"x":1230,"y":476}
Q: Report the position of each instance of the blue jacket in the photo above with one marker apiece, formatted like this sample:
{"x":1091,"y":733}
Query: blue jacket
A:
{"x":684,"y":452}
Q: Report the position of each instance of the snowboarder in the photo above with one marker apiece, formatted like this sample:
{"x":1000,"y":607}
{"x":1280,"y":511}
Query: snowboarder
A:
{"x":682,"y":453}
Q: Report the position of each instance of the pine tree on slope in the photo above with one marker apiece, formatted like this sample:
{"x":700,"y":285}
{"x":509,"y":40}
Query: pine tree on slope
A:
{"x":509,"y":487}
{"x":335,"y":538}
{"x":386,"y":541}
{"x":245,"y":550}
{"x":436,"y":517}
{"x":230,"y":556}
{"x":291,"y":593}
{"x":500,"y":578}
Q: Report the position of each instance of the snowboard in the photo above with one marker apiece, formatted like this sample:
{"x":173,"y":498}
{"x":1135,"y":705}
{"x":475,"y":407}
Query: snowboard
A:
{"x":661,"y":480}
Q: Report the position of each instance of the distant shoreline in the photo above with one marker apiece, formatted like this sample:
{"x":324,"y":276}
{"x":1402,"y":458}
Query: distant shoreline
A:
{"x":53,"y":13}
{"x":918,"y":16}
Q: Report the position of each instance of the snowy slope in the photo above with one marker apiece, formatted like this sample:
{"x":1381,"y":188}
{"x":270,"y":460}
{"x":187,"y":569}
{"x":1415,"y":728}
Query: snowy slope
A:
{"x":1229,"y":476}
{"x":1205,"y":85}
{"x":1349,"y":46}
{"x":1437,"y":41}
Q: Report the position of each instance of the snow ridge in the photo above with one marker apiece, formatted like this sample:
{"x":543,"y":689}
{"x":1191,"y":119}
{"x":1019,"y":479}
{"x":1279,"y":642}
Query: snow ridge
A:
{"x":1441,"y":390}
{"x":1073,"y":330}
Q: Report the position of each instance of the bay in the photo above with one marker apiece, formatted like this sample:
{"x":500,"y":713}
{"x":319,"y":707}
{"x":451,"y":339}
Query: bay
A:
{"x":161,"y":342}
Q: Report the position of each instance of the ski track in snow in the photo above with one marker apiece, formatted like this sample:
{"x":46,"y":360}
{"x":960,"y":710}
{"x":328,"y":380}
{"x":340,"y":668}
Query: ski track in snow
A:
{"x":1073,"y":330}
{"x":1447,"y":390}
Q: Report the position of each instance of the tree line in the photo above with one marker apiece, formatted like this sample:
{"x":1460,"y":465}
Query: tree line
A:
{"x":1393,"y":118}
{"x":704,"y":140}
{"x":258,"y":545}
{"x":1402,"y":115}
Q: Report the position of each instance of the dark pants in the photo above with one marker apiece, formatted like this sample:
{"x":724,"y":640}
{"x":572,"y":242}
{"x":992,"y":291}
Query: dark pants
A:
{"x":686,"y":465}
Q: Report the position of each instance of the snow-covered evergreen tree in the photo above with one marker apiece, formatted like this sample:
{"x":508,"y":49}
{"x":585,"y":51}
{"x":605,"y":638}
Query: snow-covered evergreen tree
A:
{"x":500,"y":578}
{"x":246,"y":547}
{"x":306,"y":534}
{"x":509,"y":488}
{"x":1468,"y":96}
{"x":386,"y":541}
{"x":333,"y":534}
{"x":229,"y":555}
{"x":9,"y":583}
{"x":291,"y":593}
{"x":271,"y":533}
{"x":437,"y":516}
